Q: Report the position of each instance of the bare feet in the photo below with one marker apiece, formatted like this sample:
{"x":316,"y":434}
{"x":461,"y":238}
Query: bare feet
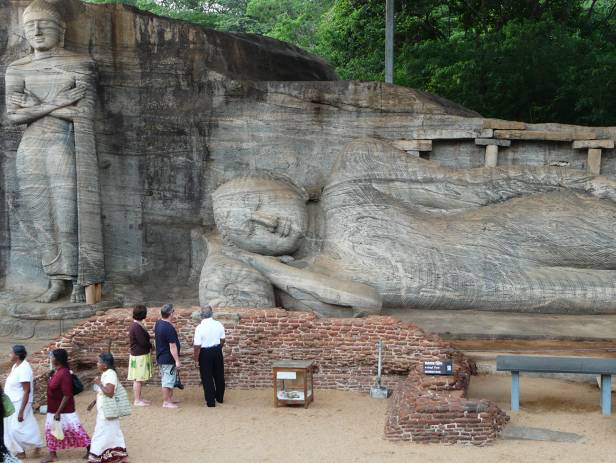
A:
{"x":170,"y":405}
{"x":55,"y":292}
{"x":141,"y":403}
{"x":79,"y":293}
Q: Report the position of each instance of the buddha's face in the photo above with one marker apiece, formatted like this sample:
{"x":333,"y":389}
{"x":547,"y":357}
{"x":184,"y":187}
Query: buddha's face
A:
{"x":261,"y":215}
{"x":43,"y":34}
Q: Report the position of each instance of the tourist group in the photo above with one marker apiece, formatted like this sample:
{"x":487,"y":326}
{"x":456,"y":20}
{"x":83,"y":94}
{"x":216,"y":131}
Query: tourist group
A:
{"x":63,"y":428}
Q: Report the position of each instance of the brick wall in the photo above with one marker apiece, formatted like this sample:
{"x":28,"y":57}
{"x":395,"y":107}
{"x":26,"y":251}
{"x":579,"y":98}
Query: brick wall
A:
{"x":344,"y":351}
{"x":428,"y":409}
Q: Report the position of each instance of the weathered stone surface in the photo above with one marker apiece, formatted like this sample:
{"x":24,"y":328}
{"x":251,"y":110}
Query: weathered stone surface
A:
{"x":399,"y":231}
{"x":53,"y":91}
{"x":182,"y":110}
{"x":562,"y":135}
{"x":504,"y":125}
{"x":492,"y":141}
{"x":413,"y":145}
{"x":539,"y":434}
{"x":594,"y":161}
{"x":582,"y":144}
{"x":157,"y":78}
{"x":491,"y":155}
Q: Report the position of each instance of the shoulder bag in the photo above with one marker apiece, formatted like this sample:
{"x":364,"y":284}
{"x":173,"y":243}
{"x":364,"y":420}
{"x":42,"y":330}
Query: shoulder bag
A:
{"x":9,"y":409}
{"x":118,"y":405}
{"x":77,"y":384}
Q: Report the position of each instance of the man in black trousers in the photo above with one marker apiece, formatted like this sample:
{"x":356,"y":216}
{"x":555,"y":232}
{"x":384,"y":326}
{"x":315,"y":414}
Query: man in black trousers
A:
{"x":208,"y":342}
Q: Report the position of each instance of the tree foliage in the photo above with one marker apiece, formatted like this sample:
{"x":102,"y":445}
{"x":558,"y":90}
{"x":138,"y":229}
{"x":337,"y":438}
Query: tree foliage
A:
{"x":531,"y":60}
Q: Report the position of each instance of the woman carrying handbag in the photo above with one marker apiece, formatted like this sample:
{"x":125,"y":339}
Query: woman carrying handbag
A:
{"x":108,"y":443}
{"x":63,"y":428}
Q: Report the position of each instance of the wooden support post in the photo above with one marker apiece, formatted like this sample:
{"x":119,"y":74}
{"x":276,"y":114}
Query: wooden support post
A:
{"x":94,"y":293}
{"x":491,"y":159}
{"x":91,"y":294}
{"x":594,"y":161}
{"x":99,"y":292}
{"x":606,"y":395}
{"x":515,"y":391}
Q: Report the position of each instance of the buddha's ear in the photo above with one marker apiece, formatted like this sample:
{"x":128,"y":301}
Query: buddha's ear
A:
{"x":61,"y":39}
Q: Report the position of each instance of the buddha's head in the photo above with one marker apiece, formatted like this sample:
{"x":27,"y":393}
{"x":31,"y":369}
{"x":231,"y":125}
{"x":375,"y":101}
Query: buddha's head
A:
{"x":44,"y":25}
{"x":261,"y":213}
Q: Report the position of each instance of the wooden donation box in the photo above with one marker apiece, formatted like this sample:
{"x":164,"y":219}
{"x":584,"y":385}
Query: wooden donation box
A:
{"x":293,"y":382}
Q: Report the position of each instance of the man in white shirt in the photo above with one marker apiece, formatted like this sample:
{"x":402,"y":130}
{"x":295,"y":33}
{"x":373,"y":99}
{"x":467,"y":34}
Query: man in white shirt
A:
{"x":208,"y":343}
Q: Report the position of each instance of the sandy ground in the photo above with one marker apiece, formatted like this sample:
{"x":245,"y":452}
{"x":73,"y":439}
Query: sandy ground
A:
{"x":348,"y":427}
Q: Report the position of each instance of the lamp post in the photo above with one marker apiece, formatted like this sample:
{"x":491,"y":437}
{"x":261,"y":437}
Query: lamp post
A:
{"x":389,"y":41}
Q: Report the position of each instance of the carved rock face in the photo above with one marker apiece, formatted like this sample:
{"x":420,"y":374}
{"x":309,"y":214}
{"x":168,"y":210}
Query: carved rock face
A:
{"x":43,"y":34}
{"x":261,"y":215}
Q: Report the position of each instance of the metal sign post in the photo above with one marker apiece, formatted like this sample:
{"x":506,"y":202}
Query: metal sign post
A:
{"x":389,"y":41}
{"x":378,"y":391}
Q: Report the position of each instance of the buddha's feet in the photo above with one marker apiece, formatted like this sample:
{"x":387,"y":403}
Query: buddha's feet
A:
{"x":79,"y":294}
{"x":55,"y":292}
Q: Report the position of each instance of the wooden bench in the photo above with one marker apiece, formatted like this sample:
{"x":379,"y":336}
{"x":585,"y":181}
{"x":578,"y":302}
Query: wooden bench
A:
{"x":569,"y":365}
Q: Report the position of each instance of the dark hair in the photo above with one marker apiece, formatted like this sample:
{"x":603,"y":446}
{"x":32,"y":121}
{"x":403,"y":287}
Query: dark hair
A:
{"x":20,"y":351}
{"x":61,"y":356}
{"x":140,"y":312}
{"x":107,"y":359}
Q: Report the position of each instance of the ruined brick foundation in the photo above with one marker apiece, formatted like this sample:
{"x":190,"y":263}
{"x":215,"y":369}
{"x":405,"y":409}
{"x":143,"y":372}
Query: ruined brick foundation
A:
{"x":422,"y":409}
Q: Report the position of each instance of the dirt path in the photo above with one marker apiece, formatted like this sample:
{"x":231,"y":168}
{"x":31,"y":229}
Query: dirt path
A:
{"x":347,"y":427}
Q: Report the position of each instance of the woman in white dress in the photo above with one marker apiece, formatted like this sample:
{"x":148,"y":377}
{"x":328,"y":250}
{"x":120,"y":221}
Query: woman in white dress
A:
{"x":107,"y":441}
{"x":21,"y":431}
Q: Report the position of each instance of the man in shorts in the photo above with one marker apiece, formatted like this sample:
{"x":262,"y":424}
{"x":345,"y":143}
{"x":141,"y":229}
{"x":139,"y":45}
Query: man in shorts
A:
{"x":167,"y":354}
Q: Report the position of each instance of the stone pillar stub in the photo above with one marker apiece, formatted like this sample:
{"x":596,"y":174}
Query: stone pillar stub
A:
{"x":491,"y":155}
{"x":594,"y":161}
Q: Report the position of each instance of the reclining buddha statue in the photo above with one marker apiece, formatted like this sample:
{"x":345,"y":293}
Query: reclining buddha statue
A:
{"x":394,"y":230}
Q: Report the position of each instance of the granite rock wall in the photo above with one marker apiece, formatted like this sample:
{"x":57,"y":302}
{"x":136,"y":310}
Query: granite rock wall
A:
{"x":157,"y":78}
{"x":182,"y":109}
